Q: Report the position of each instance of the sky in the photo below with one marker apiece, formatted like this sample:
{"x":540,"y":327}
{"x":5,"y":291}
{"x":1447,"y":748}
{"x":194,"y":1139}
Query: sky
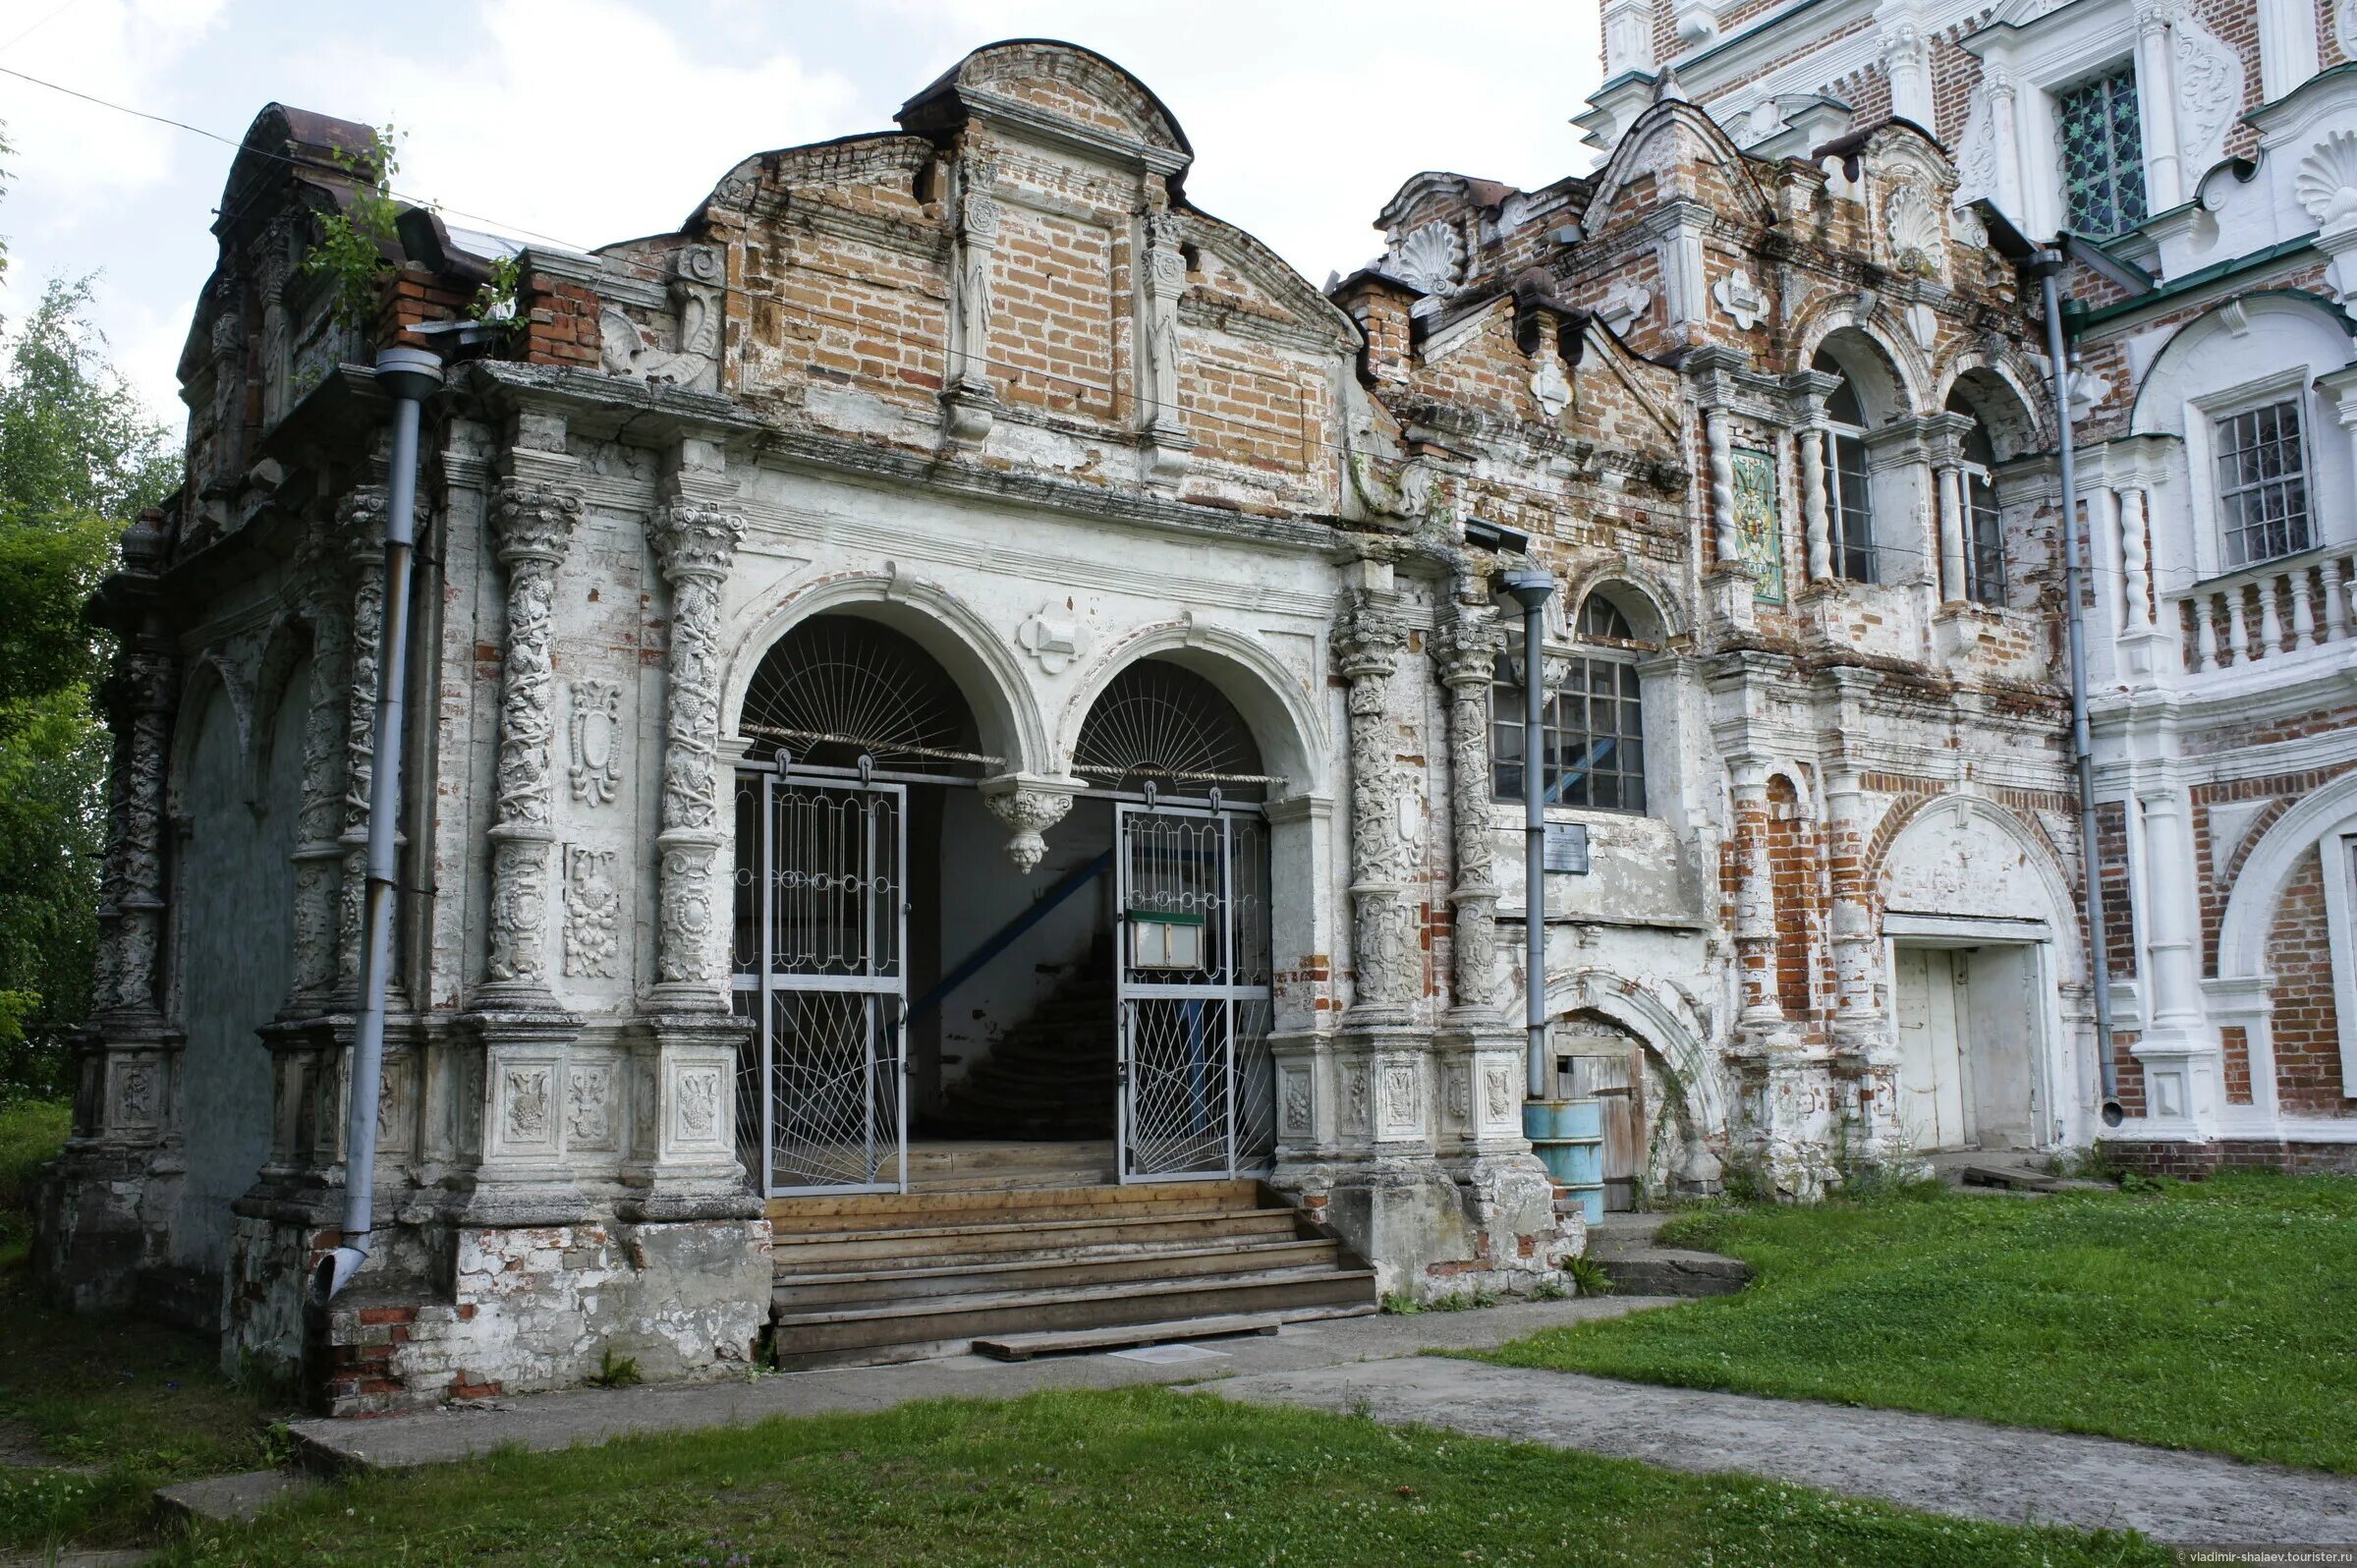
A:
{"x":591,"y":121}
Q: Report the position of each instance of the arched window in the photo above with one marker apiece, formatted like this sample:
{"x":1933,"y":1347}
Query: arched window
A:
{"x":1983,"y":522}
{"x":1593,"y":736}
{"x":1849,"y":498}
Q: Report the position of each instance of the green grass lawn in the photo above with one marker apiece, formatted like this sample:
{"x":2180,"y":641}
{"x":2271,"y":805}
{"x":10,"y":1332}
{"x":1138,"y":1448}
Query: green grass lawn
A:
{"x":1140,"y":1476}
{"x":2218,"y":1316}
{"x":118,"y":1408}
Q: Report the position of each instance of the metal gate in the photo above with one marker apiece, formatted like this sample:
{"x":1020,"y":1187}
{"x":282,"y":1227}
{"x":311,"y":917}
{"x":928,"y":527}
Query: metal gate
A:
{"x":1198,"y":1089}
{"x":820,"y":967}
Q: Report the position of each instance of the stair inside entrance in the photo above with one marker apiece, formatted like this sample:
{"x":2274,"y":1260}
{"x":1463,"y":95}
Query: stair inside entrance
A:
{"x":1005,"y":1239}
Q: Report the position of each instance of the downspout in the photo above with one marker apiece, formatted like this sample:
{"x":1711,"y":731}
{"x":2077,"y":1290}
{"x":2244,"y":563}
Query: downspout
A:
{"x":409,"y":376}
{"x":1532,"y":589}
{"x":2046,"y":263}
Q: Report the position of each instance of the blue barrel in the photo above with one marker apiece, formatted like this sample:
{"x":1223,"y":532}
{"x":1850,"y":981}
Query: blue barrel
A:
{"x":1568,"y":1137}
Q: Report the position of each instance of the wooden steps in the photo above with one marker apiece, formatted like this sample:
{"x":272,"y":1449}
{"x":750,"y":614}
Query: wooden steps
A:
{"x":891,"y":1276}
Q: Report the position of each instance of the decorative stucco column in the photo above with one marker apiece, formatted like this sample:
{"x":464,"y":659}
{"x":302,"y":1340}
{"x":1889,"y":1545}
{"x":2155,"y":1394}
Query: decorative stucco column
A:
{"x":126,"y":1086}
{"x":1805,"y":392}
{"x":2157,"y":95}
{"x":1864,"y":1049}
{"x":103,"y":1205}
{"x":1162,"y":282}
{"x":1384,"y":953}
{"x":1760,"y":1013}
{"x":327,"y":586}
{"x":684,"y":1148}
{"x":360,"y":526}
{"x":695,"y":542}
{"x":970,"y":403}
{"x":1481,"y":1052}
{"x":1943,"y":452}
{"x":520,"y":1177}
{"x":2178,"y":1049}
{"x":1468,"y":650}
{"x":1948,"y":484}
{"x":532,"y":524}
{"x":2135,"y":572}
{"x":1816,"y":515}
{"x":1727,"y":541}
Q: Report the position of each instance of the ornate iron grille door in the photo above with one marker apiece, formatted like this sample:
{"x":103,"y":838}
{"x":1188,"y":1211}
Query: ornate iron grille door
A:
{"x":1198,"y":1089}
{"x":823,"y":931}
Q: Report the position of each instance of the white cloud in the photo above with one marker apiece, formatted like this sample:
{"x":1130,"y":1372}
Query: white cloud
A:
{"x":122,"y":50}
{"x":593,"y":120}
{"x":579,"y":119}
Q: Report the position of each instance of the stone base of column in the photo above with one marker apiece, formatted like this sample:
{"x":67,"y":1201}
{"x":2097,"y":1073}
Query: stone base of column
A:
{"x":1363,"y":1118}
{"x":520,"y":1175}
{"x":1789,"y":1126}
{"x":1732,"y":596}
{"x":684,"y":1165}
{"x":2184,"y":1082}
{"x":451,"y":1310}
{"x":104,"y":1207}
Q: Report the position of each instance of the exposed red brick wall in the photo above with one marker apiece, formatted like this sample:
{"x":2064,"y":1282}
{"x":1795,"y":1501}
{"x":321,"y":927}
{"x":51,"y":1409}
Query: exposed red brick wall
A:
{"x":2119,"y":910}
{"x":2305,"y":1026}
{"x":2328,"y":52}
{"x":2196,"y":1161}
{"x":2127,"y":1071}
{"x":1793,"y":872}
{"x":2234,"y":1050}
{"x":2217,"y":884}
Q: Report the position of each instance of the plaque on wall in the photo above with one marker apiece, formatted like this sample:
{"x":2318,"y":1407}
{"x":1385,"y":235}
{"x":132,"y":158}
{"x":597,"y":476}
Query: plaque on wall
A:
{"x":1564,"y":848}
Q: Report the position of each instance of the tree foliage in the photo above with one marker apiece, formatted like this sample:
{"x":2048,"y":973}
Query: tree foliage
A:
{"x":79,"y":457}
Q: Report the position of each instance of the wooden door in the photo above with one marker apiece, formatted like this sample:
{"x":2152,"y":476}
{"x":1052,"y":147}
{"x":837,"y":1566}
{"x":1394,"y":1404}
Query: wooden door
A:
{"x":1930,"y":1030}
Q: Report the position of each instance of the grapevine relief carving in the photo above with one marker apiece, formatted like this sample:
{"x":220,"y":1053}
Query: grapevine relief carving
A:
{"x":592,"y":912}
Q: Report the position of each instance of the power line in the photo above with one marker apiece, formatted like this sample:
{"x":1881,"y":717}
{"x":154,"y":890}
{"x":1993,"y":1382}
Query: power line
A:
{"x":38,"y":26}
{"x":2184,"y":576}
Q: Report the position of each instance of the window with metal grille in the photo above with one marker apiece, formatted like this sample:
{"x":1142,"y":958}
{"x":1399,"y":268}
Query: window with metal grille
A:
{"x":1849,"y":496}
{"x":1593,"y":725}
{"x":2103,"y":154}
{"x":2262,"y":483}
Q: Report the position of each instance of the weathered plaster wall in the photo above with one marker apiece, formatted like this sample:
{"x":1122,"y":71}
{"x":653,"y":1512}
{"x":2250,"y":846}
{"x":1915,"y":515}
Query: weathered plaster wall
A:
{"x":234,"y":956}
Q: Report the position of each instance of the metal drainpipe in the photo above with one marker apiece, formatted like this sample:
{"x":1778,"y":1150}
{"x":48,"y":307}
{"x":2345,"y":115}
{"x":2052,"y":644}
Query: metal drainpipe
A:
{"x":2047,"y":265}
{"x":409,"y":376}
{"x":1532,"y":589}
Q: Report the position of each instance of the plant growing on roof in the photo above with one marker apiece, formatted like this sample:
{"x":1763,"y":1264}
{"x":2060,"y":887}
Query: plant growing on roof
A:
{"x":352,"y":243}
{"x":495,"y":300}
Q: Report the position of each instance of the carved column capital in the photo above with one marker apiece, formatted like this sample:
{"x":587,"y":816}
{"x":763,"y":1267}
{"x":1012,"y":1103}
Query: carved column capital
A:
{"x":1368,"y":640}
{"x":359,"y":524}
{"x":532,"y":522}
{"x":1468,"y":646}
{"x":694,"y":539}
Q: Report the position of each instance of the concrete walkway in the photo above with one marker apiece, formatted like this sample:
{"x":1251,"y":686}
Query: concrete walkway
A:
{"x":540,"y":1422}
{"x":1934,"y":1463}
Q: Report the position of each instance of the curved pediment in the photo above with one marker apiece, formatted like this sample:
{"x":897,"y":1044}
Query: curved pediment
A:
{"x":1057,"y":90}
{"x":1675,"y":152}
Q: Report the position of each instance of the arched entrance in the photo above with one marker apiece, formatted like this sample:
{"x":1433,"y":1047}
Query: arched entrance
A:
{"x":927,"y":1011}
{"x":1181,"y":785}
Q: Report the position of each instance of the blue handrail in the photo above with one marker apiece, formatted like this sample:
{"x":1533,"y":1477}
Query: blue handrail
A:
{"x":974,"y":962}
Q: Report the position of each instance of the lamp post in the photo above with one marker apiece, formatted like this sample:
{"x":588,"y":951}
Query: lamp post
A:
{"x":1532,"y":588}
